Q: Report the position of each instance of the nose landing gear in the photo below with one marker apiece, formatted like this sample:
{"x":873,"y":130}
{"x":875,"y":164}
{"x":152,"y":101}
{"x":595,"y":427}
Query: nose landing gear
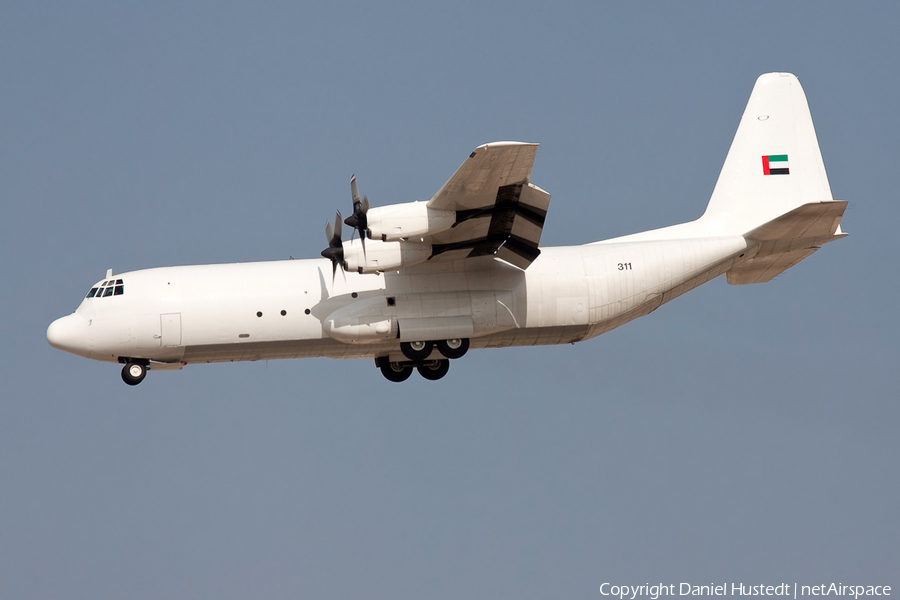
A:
{"x":133,"y":373}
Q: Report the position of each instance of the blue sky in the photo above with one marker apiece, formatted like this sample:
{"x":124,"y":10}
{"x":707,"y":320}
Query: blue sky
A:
{"x":736,"y":434}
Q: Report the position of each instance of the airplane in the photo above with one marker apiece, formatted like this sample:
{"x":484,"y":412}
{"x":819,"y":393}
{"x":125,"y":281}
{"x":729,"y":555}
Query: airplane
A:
{"x":425,"y":282}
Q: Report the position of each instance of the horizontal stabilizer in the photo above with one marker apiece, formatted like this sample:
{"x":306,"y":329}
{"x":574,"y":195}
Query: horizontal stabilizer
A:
{"x":785,"y":241}
{"x":761,"y":270}
{"x":807,"y":222}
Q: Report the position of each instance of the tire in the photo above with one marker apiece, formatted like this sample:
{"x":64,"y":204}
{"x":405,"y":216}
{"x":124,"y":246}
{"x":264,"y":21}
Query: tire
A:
{"x":394,"y":371}
{"x":434,"y":369}
{"x":455,"y":348}
{"x":416,"y":351}
{"x":133,"y":373}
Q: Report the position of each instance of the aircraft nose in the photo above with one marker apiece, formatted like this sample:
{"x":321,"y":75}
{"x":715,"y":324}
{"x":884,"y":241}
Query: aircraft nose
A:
{"x":70,"y":333}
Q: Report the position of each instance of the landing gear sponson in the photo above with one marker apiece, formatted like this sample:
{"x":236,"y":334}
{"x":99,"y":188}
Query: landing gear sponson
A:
{"x":419,"y":354}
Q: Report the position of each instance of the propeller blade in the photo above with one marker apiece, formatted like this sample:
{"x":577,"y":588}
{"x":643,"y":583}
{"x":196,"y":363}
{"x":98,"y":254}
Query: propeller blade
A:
{"x":335,"y":250}
{"x":354,"y":191}
{"x":362,"y":239}
{"x":358,"y":220}
{"x":338,"y":226}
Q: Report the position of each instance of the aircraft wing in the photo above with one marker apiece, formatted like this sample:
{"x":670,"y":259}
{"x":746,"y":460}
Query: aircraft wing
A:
{"x":499,"y":211}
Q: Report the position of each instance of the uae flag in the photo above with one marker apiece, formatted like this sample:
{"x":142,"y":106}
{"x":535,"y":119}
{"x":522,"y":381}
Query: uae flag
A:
{"x":776,"y":164}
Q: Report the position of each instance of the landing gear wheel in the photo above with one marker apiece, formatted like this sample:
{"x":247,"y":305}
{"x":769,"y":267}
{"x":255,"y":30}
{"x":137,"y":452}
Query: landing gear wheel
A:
{"x":455,"y":348}
{"x":416,"y":351}
{"x":434,"y":369}
{"x":133,"y":373}
{"x":394,"y":371}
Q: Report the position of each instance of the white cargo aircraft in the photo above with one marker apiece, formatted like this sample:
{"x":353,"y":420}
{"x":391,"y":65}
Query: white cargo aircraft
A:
{"x":426,"y":281}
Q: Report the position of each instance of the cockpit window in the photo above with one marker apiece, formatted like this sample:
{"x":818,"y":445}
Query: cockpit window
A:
{"x":112,"y":287}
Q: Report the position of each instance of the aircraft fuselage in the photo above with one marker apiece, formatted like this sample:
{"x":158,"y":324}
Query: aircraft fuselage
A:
{"x":279,"y":309}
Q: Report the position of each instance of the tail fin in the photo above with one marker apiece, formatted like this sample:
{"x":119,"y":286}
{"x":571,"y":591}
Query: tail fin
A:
{"x":774,"y":168}
{"x":774,"y":164}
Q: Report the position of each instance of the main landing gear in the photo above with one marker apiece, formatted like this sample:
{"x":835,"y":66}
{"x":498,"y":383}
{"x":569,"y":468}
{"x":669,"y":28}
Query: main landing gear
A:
{"x":133,"y":373}
{"x":419,"y":351}
{"x":400,"y":371}
{"x":394,"y":371}
{"x":419,"y":355}
{"x":433,"y":369}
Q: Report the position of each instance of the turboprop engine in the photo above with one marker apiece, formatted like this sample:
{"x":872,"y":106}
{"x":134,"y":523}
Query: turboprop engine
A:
{"x":377,"y":256}
{"x":407,"y":221}
{"x":396,"y":231}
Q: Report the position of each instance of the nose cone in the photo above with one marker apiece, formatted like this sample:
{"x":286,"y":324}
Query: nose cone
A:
{"x":70,"y":333}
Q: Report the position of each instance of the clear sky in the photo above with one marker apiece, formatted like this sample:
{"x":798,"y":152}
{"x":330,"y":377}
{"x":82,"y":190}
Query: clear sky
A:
{"x":738,"y":434}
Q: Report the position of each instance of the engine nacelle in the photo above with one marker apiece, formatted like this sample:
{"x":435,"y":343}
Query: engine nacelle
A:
{"x":363,"y":322}
{"x":383,"y":256}
{"x":361,"y":333}
{"x":409,"y":221}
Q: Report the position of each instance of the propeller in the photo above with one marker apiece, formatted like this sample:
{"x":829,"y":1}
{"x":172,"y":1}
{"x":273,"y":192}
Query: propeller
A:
{"x":335,"y":249}
{"x":358,"y":219}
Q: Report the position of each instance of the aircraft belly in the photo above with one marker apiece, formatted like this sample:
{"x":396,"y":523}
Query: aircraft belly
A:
{"x":326,"y":347}
{"x":277,"y":349}
{"x":534,"y":336}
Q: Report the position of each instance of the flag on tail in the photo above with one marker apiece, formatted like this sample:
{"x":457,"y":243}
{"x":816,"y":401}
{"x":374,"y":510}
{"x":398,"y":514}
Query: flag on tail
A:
{"x":776,"y":164}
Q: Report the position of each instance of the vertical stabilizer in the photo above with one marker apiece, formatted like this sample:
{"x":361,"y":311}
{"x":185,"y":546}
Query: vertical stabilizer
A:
{"x":774,"y":164}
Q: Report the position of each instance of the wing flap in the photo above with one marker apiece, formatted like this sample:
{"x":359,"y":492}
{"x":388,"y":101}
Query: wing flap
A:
{"x":510,"y":229}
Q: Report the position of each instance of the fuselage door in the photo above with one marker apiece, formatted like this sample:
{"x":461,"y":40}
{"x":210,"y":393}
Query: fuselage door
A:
{"x":170,"y":329}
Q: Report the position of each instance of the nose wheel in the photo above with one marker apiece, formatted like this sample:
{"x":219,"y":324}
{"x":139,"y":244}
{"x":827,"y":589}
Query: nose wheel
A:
{"x":133,"y":373}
